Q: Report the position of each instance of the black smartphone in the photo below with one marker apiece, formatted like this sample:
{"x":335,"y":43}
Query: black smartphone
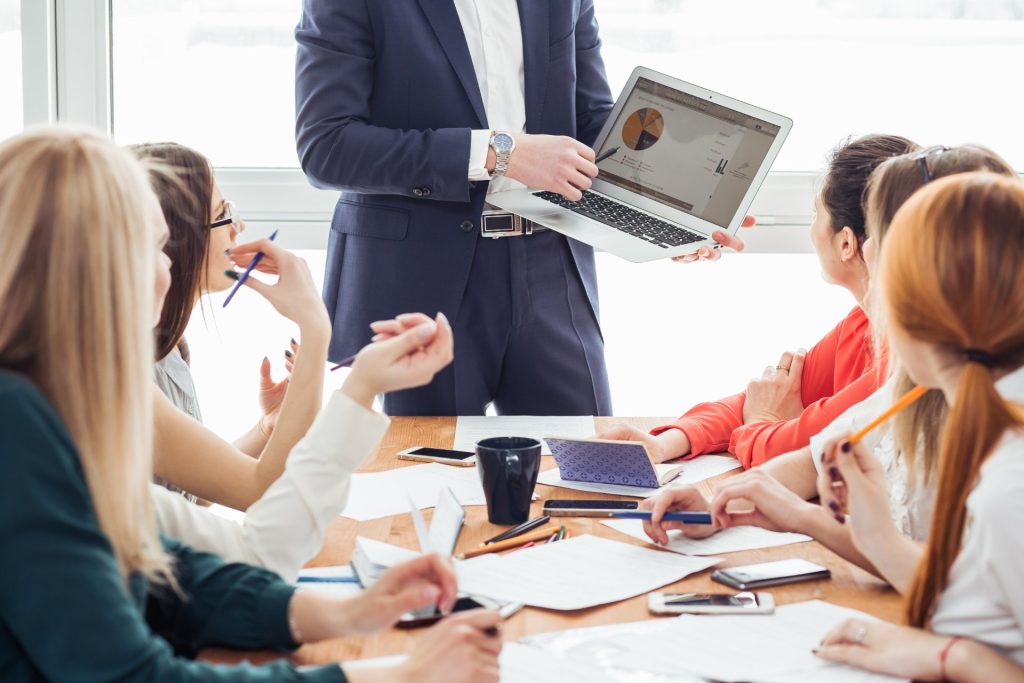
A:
{"x":770,"y":574}
{"x":587,"y":508}
{"x":432,"y":615}
{"x":444,"y":456}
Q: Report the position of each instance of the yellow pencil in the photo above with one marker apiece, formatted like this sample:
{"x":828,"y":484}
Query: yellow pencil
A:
{"x":536,"y":535}
{"x":908,"y":398}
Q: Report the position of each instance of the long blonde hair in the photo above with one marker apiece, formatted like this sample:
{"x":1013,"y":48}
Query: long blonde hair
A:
{"x":917,"y":429}
{"x":79,"y":226}
{"x":951,"y":278}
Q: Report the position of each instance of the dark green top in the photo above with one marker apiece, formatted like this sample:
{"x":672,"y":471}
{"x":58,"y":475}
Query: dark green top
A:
{"x":65,"y":612}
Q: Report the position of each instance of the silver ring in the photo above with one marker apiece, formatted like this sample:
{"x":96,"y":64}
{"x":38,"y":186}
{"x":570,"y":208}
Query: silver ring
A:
{"x":860,"y":634}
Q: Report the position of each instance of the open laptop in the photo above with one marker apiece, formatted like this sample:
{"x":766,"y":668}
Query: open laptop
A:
{"x":687,"y":162}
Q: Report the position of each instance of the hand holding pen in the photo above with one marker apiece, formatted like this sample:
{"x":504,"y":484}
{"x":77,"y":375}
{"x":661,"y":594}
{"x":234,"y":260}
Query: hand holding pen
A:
{"x":294,"y":295}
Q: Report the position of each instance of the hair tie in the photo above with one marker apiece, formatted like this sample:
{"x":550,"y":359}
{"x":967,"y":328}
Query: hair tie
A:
{"x":980,"y":357}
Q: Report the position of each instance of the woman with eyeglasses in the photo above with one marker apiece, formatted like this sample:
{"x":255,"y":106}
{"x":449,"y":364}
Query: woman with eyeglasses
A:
{"x":298,"y":477}
{"x":90,"y":590}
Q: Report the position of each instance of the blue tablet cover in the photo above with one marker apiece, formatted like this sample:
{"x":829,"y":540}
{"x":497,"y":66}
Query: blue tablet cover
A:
{"x":604,"y":462}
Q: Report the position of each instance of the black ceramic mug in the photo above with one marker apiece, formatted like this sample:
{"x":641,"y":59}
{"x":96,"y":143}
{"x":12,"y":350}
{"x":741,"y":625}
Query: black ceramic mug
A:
{"x":508,"y":467}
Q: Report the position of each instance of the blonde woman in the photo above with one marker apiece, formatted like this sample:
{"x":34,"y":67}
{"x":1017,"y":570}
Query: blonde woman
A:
{"x":90,"y":592}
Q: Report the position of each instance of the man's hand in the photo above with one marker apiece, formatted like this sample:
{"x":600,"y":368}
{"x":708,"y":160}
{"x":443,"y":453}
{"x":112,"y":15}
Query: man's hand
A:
{"x":555,"y":163}
{"x":724,"y":240}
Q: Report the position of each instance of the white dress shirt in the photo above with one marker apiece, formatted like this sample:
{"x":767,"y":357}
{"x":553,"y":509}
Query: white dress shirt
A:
{"x":495,"y":39}
{"x":285,"y":528}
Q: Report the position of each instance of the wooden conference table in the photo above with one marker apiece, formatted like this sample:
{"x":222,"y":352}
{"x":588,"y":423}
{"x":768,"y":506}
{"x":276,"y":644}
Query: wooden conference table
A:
{"x":849,"y":586}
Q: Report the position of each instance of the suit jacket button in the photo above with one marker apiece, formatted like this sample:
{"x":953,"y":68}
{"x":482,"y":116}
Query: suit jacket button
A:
{"x":417,"y":191}
{"x":467,"y":226}
{"x":425,"y":191}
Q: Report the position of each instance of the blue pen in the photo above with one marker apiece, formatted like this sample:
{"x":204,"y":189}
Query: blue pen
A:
{"x":686,"y":517}
{"x":245,"y":275}
{"x":327,"y":579}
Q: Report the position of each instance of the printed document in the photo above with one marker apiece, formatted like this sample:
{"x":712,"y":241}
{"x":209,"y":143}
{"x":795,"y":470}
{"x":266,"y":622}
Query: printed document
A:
{"x":473,"y":428}
{"x":730,"y":540}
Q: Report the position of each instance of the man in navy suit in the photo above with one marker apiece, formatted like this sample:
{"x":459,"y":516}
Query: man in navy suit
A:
{"x":415,"y":110}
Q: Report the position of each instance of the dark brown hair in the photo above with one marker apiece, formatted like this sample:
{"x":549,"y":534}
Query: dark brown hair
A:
{"x":849,"y":168}
{"x":952,"y":279}
{"x":184,"y":187}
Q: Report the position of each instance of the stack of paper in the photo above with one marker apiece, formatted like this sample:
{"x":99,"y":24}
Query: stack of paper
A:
{"x":730,"y":540}
{"x":382,"y":494}
{"x":580,"y":572}
{"x":694,"y":471}
{"x":519,"y":664}
{"x":473,"y":428}
{"x":776,"y":648}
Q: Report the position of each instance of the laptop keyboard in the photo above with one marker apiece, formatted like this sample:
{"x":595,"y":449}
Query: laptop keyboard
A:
{"x":621,"y":217}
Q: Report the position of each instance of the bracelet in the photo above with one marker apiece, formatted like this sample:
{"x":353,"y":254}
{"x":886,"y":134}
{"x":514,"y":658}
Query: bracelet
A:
{"x":944,"y":654}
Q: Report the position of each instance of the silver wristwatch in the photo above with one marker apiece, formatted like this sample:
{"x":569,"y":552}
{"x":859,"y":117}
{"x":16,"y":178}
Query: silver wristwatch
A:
{"x":503,"y":145}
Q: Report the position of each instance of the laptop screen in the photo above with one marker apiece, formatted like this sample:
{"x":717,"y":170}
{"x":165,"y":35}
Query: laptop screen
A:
{"x":684,"y":151}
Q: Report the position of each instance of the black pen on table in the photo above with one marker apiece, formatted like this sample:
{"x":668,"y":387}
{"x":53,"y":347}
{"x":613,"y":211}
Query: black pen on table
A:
{"x":245,"y":274}
{"x":605,"y":155}
{"x":519,"y":530}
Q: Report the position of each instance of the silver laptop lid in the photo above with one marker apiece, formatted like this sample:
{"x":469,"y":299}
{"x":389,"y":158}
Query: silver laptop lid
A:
{"x":688,"y":154}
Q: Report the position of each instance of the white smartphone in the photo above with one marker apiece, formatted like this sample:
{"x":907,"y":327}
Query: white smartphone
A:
{"x":770,"y":574}
{"x":711,"y":603}
{"x":444,"y":456}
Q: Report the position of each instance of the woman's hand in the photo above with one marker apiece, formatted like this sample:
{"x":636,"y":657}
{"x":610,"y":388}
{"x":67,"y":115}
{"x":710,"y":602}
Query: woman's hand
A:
{"x":775,"y":507}
{"x":272,"y":393}
{"x":669,"y":444}
{"x":724,"y":239}
{"x":423,"y":582}
{"x":776,"y":396}
{"x":886,"y":648}
{"x":686,"y":498}
{"x":403,"y":361}
{"x":852,"y":482}
{"x":294,"y":295}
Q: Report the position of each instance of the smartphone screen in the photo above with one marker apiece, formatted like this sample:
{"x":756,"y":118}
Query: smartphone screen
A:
{"x":428,"y":616}
{"x":442,"y":453}
{"x":711,"y":599}
{"x":591,"y":504}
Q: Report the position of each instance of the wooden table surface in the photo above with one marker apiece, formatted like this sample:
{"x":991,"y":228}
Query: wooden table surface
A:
{"x":849,"y":585}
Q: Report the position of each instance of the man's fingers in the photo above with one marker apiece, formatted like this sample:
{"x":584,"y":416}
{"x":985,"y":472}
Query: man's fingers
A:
{"x":570,"y":192}
{"x":728,"y":241}
{"x":748,"y":221}
{"x":585,"y":152}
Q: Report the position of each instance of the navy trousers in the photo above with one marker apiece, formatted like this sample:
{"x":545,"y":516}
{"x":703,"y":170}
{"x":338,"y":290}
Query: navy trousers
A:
{"x":526,"y":338}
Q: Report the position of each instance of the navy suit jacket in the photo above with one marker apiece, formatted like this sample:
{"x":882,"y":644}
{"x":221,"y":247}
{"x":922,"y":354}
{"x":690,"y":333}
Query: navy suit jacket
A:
{"x":386,"y":97}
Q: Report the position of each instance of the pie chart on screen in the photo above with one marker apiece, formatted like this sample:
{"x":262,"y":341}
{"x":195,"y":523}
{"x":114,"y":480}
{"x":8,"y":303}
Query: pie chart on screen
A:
{"x":643,"y":128}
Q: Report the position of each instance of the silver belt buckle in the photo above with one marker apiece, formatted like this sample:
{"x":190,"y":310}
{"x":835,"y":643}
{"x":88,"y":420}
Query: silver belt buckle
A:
{"x":497,"y":223}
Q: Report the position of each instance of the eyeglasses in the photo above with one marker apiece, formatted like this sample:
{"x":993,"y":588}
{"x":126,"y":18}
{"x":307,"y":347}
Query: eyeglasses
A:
{"x":229,"y":216}
{"x":922,"y":161}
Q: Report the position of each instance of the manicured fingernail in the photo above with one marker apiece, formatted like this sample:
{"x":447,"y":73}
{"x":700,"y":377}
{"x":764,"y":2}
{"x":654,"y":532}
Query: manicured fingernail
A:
{"x":840,"y":518}
{"x":833,"y":506}
{"x":834,"y":473}
{"x":815,"y":651}
{"x":846,"y":447}
{"x":227,"y":252}
{"x":294,"y":343}
{"x":231,"y":274}
{"x":289,"y":353}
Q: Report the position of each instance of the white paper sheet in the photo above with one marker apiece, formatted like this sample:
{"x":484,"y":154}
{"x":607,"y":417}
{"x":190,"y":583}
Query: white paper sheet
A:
{"x":725,"y":541}
{"x":518,"y":664}
{"x":694,"y":471}
{"x":473,"y":428}
{"x":580,"y":572}
{"x":381,"y":494}
{"x":776,"y":648}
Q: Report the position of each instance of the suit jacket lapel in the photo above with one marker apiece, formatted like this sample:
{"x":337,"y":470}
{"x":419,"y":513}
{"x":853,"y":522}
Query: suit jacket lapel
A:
{"x":534,"y":16}
{"x":444,"y":19}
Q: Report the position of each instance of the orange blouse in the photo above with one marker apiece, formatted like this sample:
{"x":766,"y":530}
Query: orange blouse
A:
{"x":839,"y":372}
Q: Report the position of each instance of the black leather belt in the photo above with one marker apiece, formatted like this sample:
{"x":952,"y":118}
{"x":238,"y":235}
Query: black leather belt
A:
{"x":497,"y":223}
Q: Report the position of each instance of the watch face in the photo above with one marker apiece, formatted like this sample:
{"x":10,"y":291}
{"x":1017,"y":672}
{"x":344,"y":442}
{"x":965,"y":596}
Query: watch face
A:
{"x":502,"y":142}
